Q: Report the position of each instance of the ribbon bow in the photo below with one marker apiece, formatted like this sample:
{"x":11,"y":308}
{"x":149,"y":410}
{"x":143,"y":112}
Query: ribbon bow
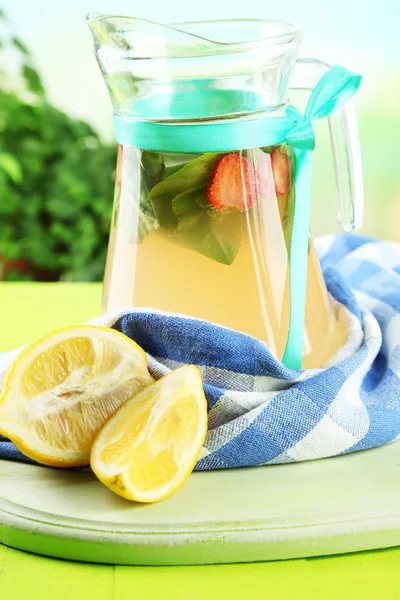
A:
{"x":332,"y":91}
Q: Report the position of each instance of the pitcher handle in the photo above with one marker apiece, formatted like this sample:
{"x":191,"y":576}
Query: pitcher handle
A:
{"x":345,"y":146}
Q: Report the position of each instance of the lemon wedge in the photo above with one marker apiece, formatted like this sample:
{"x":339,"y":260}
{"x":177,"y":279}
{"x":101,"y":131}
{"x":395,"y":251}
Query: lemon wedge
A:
{"x":61,"y":390}
{"x":150,"y":446}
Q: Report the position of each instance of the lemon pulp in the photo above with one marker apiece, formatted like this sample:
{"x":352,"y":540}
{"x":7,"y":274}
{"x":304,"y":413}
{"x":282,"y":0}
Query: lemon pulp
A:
{"x":151,"y":444}
{"x":61,"y":390}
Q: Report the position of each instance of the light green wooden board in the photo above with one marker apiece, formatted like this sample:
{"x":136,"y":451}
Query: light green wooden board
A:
{"x":343,"y":504}
{"x":369,"y":575}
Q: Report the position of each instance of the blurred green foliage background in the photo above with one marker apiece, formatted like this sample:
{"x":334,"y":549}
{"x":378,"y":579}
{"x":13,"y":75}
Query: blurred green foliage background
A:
{"x":56,"y":181}
{"x":57,"y":155}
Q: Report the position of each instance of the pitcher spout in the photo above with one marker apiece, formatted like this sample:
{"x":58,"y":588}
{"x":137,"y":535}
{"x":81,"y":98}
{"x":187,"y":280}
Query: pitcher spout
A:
{"x":142,"y":38}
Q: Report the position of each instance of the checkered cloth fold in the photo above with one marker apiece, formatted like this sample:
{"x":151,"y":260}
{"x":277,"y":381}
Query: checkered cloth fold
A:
{"x":259,"y":411}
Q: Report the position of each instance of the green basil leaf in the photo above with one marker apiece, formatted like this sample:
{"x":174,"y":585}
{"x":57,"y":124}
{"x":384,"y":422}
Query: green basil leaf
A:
{"x":190,"y":220}
{"x":147,"y":219}
{"x":171,"y":170}
{"x":163,"y":212}
{"x":174,"y":161}
{"x":201,"y":198}
{"x":193,"y":175}
{"x":188,"y":201}
{"x":180,"y":204}
{"x":144,"y":203}
{"x":152,"y":167}
{"x":218,"y":239}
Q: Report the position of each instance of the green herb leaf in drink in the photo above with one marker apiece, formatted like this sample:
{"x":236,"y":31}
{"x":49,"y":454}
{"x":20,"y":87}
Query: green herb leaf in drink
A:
{"x":152,"y":167}
{"x":180,"y":204}
{"x":218,"y":239}
{"x":190,"y":200}
{"x":192,"y":175}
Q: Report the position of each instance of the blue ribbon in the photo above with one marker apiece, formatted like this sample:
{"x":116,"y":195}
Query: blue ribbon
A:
{"x":331,"y":92}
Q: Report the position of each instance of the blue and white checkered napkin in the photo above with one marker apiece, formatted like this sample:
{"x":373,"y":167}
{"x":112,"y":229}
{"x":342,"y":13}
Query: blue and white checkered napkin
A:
{"x":262,"y":413}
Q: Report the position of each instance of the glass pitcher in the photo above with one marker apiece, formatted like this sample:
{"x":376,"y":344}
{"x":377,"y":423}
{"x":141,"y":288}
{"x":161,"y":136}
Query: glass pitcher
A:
{"x":208,"y":233}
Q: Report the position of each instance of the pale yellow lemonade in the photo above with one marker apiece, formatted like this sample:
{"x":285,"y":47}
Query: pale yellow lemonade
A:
{"x":250,"y":294}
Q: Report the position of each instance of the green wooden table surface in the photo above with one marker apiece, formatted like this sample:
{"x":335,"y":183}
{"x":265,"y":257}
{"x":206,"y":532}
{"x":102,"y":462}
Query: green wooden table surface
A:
{"x":28,"y":311}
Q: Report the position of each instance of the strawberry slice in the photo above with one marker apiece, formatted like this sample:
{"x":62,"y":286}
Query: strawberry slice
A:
{"x":233,"y":183}
{"x":280,"y":171}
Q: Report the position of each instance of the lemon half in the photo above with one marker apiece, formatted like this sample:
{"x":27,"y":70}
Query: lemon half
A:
{"x":150,"y":446}
{"x":61,"y":390}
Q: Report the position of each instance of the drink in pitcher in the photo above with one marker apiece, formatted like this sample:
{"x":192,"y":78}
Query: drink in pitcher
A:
{"x":209,"y":236}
